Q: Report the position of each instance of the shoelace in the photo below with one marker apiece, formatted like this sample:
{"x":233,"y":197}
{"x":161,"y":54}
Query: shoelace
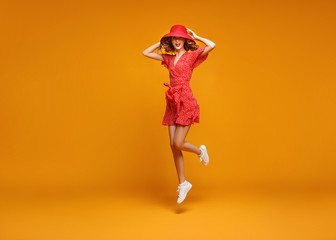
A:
{"x":179,"y":188}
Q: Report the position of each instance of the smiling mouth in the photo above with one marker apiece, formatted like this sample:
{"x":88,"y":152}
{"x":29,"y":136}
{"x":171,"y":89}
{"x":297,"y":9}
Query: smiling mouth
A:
{"x":177,"y":44}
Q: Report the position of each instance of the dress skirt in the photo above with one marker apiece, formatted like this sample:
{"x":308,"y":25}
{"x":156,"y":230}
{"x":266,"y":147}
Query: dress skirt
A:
{"x":181,"y":106}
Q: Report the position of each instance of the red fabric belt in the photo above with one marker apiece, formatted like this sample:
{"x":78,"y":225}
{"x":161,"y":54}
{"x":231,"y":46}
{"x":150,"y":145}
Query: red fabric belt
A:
{"x":178,"y":93}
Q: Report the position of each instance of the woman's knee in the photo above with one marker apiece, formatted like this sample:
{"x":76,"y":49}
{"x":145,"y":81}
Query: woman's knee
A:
{"x":173,"y":147}
{"x":178,"y":144}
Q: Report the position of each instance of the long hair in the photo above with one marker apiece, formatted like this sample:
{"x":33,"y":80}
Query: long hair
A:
{"x":167,"y":45}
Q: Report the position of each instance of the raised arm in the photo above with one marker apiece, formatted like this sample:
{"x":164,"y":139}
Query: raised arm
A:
{"x":149,"y":52}
{"x":209,"y":44}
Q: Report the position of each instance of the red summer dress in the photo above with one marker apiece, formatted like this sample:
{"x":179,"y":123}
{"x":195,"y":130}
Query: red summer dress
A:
{"x":181,"y":106}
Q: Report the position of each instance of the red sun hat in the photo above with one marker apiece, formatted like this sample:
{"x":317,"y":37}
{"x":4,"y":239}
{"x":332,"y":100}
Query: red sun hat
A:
{"x":178,"y":31}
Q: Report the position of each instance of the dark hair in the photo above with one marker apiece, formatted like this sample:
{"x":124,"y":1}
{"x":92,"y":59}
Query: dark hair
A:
{"x":168,"y":46}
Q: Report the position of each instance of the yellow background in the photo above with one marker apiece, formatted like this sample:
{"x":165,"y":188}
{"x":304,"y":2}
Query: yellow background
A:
{"x":81,"y":111}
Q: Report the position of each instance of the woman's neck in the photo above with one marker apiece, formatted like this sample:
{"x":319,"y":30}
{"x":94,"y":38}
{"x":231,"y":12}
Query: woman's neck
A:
{"x":180,"y":52}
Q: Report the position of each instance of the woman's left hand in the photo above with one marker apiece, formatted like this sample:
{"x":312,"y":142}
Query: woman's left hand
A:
{"x":193,"y":35}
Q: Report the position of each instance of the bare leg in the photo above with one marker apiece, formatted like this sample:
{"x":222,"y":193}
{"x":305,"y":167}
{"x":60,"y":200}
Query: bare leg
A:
{"x":180,"y":144}
{"x":177,"y":154}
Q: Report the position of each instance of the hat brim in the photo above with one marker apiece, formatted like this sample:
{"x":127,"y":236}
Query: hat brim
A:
{"x":178,"y":35}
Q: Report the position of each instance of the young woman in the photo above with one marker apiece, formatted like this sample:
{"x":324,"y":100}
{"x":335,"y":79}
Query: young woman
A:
{"x":182,"y":108}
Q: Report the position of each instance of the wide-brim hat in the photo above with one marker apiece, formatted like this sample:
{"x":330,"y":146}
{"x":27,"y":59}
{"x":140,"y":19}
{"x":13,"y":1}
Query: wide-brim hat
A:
{"x":178,"y":31}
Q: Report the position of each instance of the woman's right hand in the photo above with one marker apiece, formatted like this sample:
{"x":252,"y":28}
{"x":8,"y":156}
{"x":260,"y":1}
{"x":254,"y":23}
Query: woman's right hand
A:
{"x":193,"y":35}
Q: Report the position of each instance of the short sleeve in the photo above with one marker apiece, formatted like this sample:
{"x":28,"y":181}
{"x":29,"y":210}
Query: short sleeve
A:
{"x":165,"y":61}
{"x":196,"y":58}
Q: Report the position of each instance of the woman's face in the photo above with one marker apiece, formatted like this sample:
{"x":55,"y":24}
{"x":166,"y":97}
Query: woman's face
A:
{"x":178,"y":42}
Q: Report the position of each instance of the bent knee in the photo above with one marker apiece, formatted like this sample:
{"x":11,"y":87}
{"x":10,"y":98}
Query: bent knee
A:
{"x":173,"y":147}
{"x":178,"y":144}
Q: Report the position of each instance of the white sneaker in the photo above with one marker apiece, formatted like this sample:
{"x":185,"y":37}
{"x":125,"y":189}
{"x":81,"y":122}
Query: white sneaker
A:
{"x":183,"y":190}
{"x":204,"y":157}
